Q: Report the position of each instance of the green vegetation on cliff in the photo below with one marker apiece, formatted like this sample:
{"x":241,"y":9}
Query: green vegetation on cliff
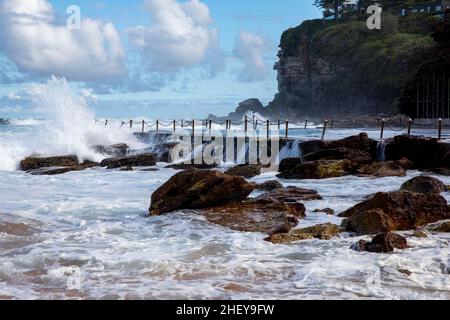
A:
{"x":367,"y":68}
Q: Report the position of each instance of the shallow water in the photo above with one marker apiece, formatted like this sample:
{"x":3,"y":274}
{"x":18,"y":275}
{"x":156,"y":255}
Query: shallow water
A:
{"x":90,"y":239}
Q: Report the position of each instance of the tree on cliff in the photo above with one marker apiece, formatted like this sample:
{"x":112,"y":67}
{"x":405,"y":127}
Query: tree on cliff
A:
{"x":328,"y":5}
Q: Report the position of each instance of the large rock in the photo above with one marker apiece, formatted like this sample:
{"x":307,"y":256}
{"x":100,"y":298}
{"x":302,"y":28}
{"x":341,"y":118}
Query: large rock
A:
{"x":249,"y":105}
{"x":289,"y":163}
{"x":382,"y":243}
{"x":424,"y":184}
{"x":32,"y":163}
{"x":258,"y":215}
{"x":269,"y":185}
{"x":322,"y":231}
{"x":197,"y":189}
{"x":425,"y":153}
{"x":54,"y":165}
{"x":385,"y":169}
{"x":322,"y":169}
{"x":116,"y":150}
{"x":395,"y":211}
{"x":350,"y":145}
{"x":291,"y":194}
{"x":355,"y":156}
{"x":139,"y":160}
{"x":245,"y":170}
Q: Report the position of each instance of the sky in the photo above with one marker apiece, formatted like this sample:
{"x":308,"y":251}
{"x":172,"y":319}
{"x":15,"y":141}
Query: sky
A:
{"x":145,"y":58}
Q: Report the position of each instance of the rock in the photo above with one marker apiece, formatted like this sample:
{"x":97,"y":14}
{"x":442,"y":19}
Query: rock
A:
{"x":441,"y":171}
{"x":405,"y":272}
{"x":424,"y":153}
{"x":420,"y":234}
{"x":31,"y":163}
{"x":347,"y":146}
{"x":54,"y":165}
{"x":382,"y":243}
{"x":196,"y":164}
{"x":328,"y":211}
{"x":139,"y":160}
{"x":322,"y":169}
{"x":355,"y":156}
{"x":288,"y":164}
{"x":291,"y":194}
{"x":385,"y":169}
{"x":17,"y":229}
{"x":443,"y":227}
{"x":246,"y":170}
{"x":197,"y":189}
{"x":424,"y":184}
{"x":264,"y":216}
{"x":269,"y":185}
{"x":249,"y":105}
{"x":116,"y":150}
{"x":164,"y":151}
{"x":126,"y":168}
{"x":322,"y":231}
{"x":395,"y":211}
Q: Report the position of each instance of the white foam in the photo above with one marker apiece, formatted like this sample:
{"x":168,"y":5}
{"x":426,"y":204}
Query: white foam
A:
{"x":70,"y":128}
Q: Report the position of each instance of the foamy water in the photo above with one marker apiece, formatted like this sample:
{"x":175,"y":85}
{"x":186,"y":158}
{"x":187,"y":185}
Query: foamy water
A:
{"x":86,"y":234}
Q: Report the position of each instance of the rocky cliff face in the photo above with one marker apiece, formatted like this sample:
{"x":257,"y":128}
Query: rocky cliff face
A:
{"x":336,"y":69}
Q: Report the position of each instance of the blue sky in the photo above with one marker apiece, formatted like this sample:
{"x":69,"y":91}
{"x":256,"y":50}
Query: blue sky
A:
{"x":153,"y":58}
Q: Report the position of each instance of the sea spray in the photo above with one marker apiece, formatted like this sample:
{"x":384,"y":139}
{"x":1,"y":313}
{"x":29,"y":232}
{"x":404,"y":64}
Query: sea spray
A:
{"x":70,"y":128}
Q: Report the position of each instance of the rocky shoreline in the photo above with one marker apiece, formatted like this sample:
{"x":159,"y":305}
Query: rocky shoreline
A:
{"x":228,"y":198}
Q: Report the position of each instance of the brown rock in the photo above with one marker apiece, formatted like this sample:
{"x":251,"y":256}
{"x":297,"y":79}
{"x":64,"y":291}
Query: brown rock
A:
{"x":395,"y":211}
{"x":322,"y":169}
{"x":246,"y":170}
{"x":424,"y":184}
{"x":269,"y":185}
{"x":360,"y":142}
{"x":420,"y":234}
{"x":328,"y":211}
{"x":261,"y":216}
{"x":196,"y":164}
{"x":139,"y":160}
{"x":424,"y":153}
{"x":32,"y":163}
{"x":322,"y":231}
{"x":382,"y":243}
{"x":355,"y":156}
{"x":289,"y":163}
{"x":291,"y":194}
{"x":385,"y":169}
{"x":197,"y":189}
{"x":443,"y":227}
{"x":116,"y":151}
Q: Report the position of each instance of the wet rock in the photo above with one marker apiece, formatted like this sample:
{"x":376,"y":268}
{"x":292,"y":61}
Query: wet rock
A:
{"x":32,"y":163}
{"x":441,"y":171}
{"x":197,"y":189}
{"x":420,"y":234}
{"x":395,"y":211}
{"x":54,"y":165}
{"x":269,"y":185}
{"x":382,"y":243}
{"x":361,"y":143}
{"x":328,"y":211}
{"x":126,"y":168}
{"x":246,"y":170}
{"x":196,"y":164}
{"x":385,"y":169}
{"x":322,"y":169}
{"x":139,"y":160}
{"x":442,"y":227}
{"x":405,"y":272}
{"x":17,"y":229}
{"x":291,"y":194}
{"x":4,"y":122}
{"x":116,"y":150}
{"x":322,"y":231}
{"x":424,"y":184}
{"x":424,"y":153}
{"x":353,"y":155}
{"x":264,"y":216}
{"x":288,"y":164}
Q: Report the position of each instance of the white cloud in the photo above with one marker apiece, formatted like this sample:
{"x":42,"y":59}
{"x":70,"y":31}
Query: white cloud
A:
{"x":180,"y":36}
{"x":33,"y":40}
{"x":250,"y":48}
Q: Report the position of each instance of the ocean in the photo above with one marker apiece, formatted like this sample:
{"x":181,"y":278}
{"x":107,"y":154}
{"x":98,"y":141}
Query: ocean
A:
{"x":85,"y":235}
